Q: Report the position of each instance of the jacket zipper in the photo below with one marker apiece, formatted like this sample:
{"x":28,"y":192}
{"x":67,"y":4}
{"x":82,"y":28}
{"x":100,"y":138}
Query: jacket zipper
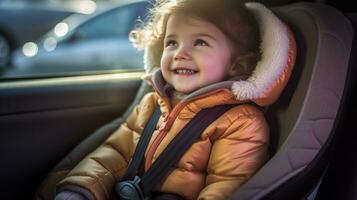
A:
{"x":168,"y":122}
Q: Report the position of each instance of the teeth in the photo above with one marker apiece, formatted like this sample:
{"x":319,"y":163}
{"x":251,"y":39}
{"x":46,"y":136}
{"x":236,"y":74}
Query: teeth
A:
{"x":184,"y":71}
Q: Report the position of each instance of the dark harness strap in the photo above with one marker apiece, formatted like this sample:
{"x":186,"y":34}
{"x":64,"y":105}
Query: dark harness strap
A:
{"x":131,"y":186}
{"x":142,"y":145}
{"x":179,"y":145}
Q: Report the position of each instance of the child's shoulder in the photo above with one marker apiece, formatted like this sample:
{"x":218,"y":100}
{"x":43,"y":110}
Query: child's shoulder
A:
{"x":244,"y":121}
{"x":247,"y":110}
{"x":150,"y":97}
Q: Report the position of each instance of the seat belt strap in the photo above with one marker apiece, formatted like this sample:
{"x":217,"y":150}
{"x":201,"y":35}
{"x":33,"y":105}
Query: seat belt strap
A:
{"x":131,"y":187}
{"x":179,"y":145}
{"x":142,"y":145}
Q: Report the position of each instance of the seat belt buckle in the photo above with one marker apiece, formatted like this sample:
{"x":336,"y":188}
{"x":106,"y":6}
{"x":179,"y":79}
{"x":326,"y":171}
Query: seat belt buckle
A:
{"x":130,"y":190}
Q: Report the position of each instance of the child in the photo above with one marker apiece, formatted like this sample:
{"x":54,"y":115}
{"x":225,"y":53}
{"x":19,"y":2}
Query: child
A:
{"x":207,"y":51}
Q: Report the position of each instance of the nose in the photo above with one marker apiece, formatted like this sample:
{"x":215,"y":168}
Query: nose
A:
{"x":183,"y":53}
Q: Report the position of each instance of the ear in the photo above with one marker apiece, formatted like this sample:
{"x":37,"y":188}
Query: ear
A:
{"x":233,"y":70}
{"x":239,"y":69}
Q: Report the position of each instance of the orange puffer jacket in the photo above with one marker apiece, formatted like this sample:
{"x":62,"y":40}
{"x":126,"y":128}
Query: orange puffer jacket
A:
{"x":229,"y":151}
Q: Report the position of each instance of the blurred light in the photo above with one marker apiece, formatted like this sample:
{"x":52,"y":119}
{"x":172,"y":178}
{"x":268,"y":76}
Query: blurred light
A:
{"x":61,"y":29}
{"x":30,"y":49}
{"x":50,"y":44}
{"x":84,"y":6}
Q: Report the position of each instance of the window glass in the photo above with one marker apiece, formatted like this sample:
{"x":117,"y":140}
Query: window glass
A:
{"x":76,"y":44}
{"x":112,"y":24}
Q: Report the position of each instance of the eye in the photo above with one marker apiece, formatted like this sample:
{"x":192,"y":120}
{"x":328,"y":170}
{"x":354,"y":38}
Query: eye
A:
{"x":170,"y":43}
{"x":200,"y":42}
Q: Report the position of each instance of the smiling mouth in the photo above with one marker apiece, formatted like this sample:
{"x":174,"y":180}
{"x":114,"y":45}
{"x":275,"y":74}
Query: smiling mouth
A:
{"x":182,"y":71}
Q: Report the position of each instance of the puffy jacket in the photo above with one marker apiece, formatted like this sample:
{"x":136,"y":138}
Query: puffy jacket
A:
{"x":229,"y":151}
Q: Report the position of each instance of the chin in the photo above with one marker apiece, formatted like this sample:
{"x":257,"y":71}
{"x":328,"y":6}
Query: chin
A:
{"x":184,"y":91}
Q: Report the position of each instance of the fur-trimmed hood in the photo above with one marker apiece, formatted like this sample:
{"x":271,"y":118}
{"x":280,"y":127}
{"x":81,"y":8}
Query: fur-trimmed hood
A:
{"x":278,"y":52}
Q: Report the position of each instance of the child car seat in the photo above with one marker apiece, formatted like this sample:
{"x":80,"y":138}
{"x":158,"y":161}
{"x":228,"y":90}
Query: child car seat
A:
{"x":302,"y":121}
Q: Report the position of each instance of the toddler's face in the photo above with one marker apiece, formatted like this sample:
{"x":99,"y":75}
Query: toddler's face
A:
{"x":196,"y":53}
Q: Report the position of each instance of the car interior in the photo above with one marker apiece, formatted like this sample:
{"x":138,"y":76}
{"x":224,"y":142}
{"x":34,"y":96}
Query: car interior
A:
{"x":48,"y":125}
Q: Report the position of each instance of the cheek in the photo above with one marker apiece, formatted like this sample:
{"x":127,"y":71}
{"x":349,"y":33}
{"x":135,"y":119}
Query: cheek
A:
{"x":219,"y":65}
{"x":164,"y":62}
{"x":217,"y":62}
{"x":225,"y":54}
{"x":221,"y":56}
{"x":224,"y":59}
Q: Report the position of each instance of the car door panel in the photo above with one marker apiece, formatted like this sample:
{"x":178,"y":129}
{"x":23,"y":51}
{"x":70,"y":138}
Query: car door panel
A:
{"x":42,"y":120}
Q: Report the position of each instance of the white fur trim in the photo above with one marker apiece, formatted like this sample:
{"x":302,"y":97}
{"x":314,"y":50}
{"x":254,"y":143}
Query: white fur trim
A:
{"x":152,"y":55}
{"x":274,"y":49}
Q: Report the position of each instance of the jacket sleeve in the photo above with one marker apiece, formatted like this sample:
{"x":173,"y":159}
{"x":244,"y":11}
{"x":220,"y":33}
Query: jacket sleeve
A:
{"x":99,"y":171}
{"x":236,"y":155}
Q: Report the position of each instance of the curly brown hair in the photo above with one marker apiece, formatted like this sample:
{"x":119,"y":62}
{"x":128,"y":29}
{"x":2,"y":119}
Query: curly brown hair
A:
{"x":230,"y":16}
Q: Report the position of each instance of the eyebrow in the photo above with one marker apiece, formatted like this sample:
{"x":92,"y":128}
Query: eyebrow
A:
{"x":205,"y":35}
{"x":196,"y":35}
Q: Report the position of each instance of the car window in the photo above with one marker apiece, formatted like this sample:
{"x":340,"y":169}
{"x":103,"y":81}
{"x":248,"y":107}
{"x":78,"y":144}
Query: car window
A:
{"x":114,"y":23}
{"x":76,"y":44}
